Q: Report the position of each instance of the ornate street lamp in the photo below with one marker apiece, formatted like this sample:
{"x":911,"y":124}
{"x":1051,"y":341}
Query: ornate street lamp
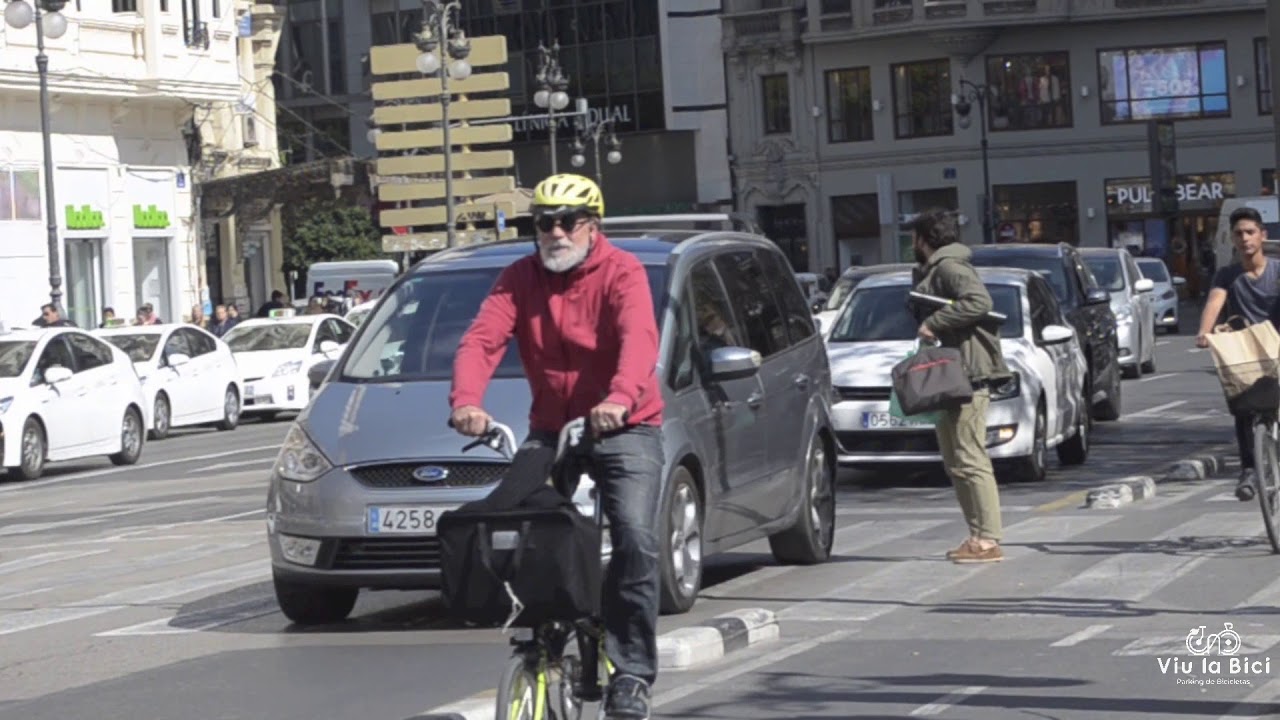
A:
{"x":970,"y":93}
{"x":594,"y":133}
{"x":444,"y":48}
{"x":551,"y":95}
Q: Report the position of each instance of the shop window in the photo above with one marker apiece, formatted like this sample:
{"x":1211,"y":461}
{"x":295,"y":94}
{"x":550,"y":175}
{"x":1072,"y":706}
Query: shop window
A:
{"x":777,"y":104}
{"x":1037,"y":213}
{"x":855,"y":216}
{"x":1262,"y":71}
{"x":1183,"y":81}
{"x":20,"y":195}
{"x":1029,"y":92}
{"x":922,"y":99}
{"x":849,"y":105}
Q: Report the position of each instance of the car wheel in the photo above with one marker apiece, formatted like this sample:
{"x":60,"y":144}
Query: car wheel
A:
{"x":1128,"y":372}
{"x":1109,"y":409}
{"x":809,"y":541}
{"x":681,"y":544}
{"x":1075,"y":450}
{"x":230,"y":409}
{"x":131,"y":438}
{"x":34,"y":450}
{"x":1150,"y":365}
{"x":313,"y":605}
{"x":1032,"y":467}
{"x":162,"y":418}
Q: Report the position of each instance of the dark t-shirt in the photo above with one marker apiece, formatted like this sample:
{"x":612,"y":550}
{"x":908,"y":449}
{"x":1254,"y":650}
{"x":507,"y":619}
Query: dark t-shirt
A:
{"x":1254,"y":300}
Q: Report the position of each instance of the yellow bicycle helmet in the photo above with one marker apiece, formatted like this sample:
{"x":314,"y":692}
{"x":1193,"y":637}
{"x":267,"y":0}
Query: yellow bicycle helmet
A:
{"x":564,"y":192}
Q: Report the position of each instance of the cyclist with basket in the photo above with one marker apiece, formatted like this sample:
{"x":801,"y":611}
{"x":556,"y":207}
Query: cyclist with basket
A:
{"x":582,"y":315}
{"x":1250,"y":290}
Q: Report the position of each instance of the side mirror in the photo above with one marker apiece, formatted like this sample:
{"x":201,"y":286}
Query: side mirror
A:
{"x":1145,"y":285}
{"x":57,"y":374}
{"x":177,"y":359}
{"x":328,"y":347}
{"x":732,"y":363}
{"x":318,"y":372}
{"x":1054,"y":334}
{"x":1179,"y":280}
{"x":818,"y":325}
{"x":1097,"y":296}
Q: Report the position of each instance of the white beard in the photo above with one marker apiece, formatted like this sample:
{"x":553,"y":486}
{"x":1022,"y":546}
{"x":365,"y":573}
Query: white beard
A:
{"x":564,"y":261}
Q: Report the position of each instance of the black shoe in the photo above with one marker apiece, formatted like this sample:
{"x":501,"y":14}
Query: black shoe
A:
{"x":1245,"y":486}
{"x":628,"y":699}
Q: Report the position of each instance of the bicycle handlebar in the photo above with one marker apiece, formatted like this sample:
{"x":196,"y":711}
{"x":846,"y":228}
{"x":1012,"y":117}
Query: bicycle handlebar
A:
{"x":501,"y":438}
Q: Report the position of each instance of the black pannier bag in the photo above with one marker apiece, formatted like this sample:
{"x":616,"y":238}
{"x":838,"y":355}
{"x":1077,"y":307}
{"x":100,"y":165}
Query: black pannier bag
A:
{"x":932,"y":379}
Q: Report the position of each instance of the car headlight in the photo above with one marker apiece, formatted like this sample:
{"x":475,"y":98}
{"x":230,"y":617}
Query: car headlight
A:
{"x":300,"y":460}
{"x":4,"y":404}
{"x":1010,"y":388}
{"x":289,"y":368}
{"x":1168,"y":295}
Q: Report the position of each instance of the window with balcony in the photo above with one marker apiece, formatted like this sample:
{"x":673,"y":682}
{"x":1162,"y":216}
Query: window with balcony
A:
{"x":835,"y":15}
{"x":889,"y":12}
{"x":922,"y":99}
{"x":777,"y":104}
{"x":1173,"y":82}
{"x":1262,"y":71}
{"x":1029,"y":92}
{"x":849,"y":105}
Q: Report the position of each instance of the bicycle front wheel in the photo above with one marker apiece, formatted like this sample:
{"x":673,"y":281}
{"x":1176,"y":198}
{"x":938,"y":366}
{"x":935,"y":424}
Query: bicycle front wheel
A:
{"x":1266,"y":453}
{"x":522,"y":691}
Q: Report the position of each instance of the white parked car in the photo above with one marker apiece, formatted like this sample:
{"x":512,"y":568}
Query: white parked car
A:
{"x":1043,"y":406}
{"x":189,"y":376}
{"x":65,"y":394}
{"x":825,"y":314}
{"x":275,"y":353}
{"x":1164,"y":296}
{"x":1131,"y":301}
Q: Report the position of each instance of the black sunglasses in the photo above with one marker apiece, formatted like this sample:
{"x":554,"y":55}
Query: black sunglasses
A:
{"x":567,"y":221}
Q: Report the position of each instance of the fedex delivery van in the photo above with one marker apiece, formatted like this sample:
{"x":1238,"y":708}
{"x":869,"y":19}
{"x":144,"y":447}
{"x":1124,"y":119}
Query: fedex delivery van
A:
{"x":369,"y":277}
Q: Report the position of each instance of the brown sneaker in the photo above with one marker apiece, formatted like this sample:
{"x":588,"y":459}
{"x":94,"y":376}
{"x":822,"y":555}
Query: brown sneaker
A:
{"x":963,"y":547}
{"x":972,"y":553}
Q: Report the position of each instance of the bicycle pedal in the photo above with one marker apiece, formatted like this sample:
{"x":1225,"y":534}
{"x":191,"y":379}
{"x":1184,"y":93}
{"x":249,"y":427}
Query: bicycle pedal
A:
{"x":590,"y":693}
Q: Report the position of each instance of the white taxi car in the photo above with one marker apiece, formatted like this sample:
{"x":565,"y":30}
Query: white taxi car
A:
{"x":357,"y":314}
{"x":65,"y":394}
{"x":274,"y":354}
{"x":189,"y":376}
{"x":1041,"y":407}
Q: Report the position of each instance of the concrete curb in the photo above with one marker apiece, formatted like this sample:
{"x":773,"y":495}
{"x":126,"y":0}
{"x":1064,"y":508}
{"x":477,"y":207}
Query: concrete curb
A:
{"x":1123,"y":492}
{"x":680,"y":649}
{"x":1196,"y":467}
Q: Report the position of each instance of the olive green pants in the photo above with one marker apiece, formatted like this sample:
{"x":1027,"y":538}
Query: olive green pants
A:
{"x":962,"y":435}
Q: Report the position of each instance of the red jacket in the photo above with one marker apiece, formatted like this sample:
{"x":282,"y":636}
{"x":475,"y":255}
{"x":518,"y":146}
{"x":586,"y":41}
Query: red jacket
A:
{"x":585,"y":337}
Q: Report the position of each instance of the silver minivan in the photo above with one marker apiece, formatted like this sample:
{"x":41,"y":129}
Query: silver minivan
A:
{"x":750,"y":451}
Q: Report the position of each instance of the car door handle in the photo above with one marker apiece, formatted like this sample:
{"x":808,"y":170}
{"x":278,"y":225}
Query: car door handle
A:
{"x":801,"y":382}
{"x":756,"y":399}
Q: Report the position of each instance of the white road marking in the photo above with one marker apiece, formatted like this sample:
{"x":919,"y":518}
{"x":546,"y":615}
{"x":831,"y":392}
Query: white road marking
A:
{"x":33,"y":509}
{"x":15,"y":487}
{"x":1161,"y":342}
{"x":899,"y":510}
{"x":92,"y":519}
{"x":1156,"y":410}
{"x":1161,"y":376}
{"x":1268,"y":693}
{"x":34,"y":561}
{"x":201,"y":621}
{"x":220,"y":466}
{"x":1168,"y":645}
{"x":955,"y":697}
{"x":1076,"y":638}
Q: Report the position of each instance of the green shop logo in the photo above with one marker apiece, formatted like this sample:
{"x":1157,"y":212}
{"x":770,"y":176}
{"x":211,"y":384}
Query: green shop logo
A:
{"x":151,"y":218}
{"x":85,"y":218}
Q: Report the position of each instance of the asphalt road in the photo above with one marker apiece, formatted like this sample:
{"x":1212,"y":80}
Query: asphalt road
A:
{"x":144,"y":593}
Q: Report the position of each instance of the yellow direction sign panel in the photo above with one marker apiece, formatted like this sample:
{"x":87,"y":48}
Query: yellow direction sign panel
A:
{"x":439,"y":241}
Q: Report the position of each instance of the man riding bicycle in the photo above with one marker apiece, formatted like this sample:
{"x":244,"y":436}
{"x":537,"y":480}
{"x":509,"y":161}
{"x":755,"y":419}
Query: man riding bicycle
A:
{"x":583,"y":318}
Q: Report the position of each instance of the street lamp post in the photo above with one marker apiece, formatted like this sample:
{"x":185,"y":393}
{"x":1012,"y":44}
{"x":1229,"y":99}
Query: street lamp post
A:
{"x":593,"y":132}
{"x":440,"y":30}
{"x":551,"y":95}
{"x":970,"y":93}
{"x":50,"y":23}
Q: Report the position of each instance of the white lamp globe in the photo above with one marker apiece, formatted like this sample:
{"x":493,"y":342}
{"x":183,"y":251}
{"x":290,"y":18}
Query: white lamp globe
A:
{"x":614,"y":157}
{"x":428,"y":63}
{"x":559,"y":100}
{"x":372,"y":135}
{"x":578,"y":161}
{"x":541,"y":98}
{"x":459,"y":69}
{"x":54,"y":25}
{"x":19,"y":14}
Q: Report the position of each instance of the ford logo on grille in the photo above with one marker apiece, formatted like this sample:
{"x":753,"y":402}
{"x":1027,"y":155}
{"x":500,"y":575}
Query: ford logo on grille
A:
{"x":430,"y":474}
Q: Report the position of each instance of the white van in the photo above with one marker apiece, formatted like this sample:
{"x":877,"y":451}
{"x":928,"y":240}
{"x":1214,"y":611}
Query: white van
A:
{"x":365,"y":276}
{"x":1268,"y":206}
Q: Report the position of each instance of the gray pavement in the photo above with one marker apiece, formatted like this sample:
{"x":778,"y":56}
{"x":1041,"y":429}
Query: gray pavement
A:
{"x":144,"y":593}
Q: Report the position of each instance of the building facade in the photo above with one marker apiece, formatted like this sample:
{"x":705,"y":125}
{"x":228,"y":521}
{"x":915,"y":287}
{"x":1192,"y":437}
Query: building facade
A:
{"x":849,"y":117}
{"x":122,"y":86}
{"x":652,"y":67}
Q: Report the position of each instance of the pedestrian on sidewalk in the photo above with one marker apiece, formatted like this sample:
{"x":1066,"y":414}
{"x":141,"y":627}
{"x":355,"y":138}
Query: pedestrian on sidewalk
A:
{"x":1250,"y":289}
{"x":944,"y":270}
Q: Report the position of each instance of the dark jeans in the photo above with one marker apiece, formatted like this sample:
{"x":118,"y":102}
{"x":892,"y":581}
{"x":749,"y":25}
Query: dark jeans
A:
{"x":1244,"y":439}
{"x":628,"y":473}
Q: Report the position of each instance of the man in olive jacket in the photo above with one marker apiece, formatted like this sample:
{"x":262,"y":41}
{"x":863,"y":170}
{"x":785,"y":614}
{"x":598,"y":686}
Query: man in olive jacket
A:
{"x":943,"y":270}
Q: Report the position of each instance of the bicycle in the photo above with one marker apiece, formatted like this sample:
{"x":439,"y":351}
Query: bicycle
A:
{"x":1266,"y":463}
{"x":539,"y":661}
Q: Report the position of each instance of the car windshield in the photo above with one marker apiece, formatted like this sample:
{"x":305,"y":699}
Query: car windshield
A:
{"x":880,"y":313}
{"x":260,"y":338}
{"x":14,"y":355}
{"x":414,"y":334}
{"x":840,"y":293}
{"x":1050,"y":267}
{"x":139,"y":348}
{"x":1107,"y":269}
{"x":1153,"y":270}
{"x":358,"y":316}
